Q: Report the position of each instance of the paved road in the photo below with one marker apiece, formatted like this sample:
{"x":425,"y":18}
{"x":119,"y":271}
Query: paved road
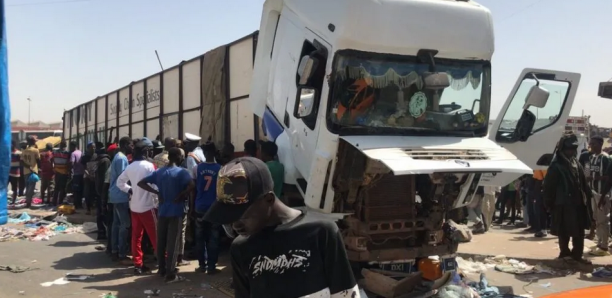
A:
{"x":76,"y":253}
{"x":514,"y":243}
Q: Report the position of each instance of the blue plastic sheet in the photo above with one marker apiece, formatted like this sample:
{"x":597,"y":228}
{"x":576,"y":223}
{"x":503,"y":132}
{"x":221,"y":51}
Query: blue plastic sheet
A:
{"x":5,"y":120}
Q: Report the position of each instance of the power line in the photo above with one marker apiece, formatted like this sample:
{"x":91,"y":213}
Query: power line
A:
{"x":521,"y":10}
{"x":45,"y":3}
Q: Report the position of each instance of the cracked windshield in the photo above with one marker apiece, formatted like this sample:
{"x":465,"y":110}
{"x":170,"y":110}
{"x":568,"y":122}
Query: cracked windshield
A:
{"x":392,"y":94}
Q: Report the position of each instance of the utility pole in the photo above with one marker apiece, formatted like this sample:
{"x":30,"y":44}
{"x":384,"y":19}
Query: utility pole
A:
{"x":29,"y":109}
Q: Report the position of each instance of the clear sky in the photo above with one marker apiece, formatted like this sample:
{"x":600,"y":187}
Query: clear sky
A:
{"x":65,"y":52}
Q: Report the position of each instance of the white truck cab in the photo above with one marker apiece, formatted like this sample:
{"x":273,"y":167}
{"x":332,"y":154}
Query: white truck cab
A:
{"x":375,"y":102}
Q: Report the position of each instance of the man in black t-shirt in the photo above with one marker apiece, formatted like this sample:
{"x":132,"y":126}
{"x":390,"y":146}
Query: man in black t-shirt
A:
{"x":281,"y":251}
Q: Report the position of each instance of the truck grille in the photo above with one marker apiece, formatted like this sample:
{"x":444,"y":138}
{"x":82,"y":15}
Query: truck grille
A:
{"x":445,"y":154}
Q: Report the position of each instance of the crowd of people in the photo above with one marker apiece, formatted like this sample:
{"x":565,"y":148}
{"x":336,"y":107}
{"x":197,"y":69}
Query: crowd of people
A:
{"x":147,"y":193}
{"x":569,"y":198}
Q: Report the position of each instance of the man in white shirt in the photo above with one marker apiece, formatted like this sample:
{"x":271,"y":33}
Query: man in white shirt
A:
{"x":143,"y":204}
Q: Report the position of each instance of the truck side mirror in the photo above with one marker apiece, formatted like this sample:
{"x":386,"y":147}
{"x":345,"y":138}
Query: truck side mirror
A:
{"x":306,"y":69}
{"x":304,"y":103}
{"x":536,"y":97}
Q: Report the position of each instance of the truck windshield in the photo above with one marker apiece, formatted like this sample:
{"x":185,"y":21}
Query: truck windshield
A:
{"x":376,"y":93}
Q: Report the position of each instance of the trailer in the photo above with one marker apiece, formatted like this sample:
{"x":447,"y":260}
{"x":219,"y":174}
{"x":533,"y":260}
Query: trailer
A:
{"x":207,"y":95}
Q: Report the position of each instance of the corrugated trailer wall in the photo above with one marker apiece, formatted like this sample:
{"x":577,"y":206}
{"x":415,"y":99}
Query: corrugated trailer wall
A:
{"x":207,"y":95}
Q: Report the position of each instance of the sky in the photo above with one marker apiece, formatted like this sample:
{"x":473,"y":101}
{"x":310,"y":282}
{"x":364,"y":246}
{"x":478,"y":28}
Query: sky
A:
{"x":65,"y":52}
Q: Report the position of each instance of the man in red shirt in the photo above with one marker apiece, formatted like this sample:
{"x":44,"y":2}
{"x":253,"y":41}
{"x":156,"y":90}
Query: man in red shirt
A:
{"x":46,"y":174}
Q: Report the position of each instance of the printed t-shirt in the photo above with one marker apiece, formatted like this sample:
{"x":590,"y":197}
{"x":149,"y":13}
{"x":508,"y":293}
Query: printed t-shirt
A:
{"x":206,"y":185}
{"x":30,"y":157}
{"x":302,"y":258}
{"x":597,"y":166}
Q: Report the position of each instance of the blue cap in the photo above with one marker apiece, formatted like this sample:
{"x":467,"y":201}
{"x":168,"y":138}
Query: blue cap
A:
{"x":144,"y":143}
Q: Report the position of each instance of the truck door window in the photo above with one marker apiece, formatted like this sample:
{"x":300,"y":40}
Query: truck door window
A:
{"x":545,"y":116}
{"x":316,"y":80}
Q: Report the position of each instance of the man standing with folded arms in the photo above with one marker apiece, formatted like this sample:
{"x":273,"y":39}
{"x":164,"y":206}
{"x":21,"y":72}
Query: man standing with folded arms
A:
{"x":174,"y":184}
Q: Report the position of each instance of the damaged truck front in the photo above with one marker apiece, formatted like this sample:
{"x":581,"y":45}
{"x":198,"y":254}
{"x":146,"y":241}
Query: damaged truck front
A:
{"x":380,"y":110}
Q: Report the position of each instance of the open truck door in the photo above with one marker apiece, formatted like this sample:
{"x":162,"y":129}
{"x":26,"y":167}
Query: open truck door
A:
{"x":533,"y":118}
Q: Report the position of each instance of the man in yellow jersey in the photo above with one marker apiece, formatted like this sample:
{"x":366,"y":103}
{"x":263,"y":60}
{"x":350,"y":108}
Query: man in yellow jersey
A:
{"x":30,"y":158}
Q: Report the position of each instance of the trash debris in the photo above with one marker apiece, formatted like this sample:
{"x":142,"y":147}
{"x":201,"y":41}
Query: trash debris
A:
{"x":73,"y":276}
{"x":24,"y":217}
{"x":515,"y":267}
{"x":601,"y":272}
{"x":467,"y":289}
{"x":21,"y":292}
{"x":100,"y":248}
{"x":459,"y":233}
{"x":546,"y":285}
{"x":35,"y":228}
{"x":109,"y":295}
{"x":15,"y":268}
{"x":205,"y":286}
{"x":471,"y":267}
{"x":60,"y":281}
{"x":154,"y":292}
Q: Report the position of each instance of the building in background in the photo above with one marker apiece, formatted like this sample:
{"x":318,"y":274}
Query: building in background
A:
{"x":578,"y":125}
{"x":21,"y":130}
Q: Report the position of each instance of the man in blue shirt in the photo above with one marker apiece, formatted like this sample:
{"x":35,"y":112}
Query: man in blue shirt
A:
{"x":207,"y":233}
{"x":121,"y":204}
{"x":174,"y":184}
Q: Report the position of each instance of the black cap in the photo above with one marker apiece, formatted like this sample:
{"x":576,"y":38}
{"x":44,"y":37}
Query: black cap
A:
{"x":241,"y":182}
{"x":569,"y":142}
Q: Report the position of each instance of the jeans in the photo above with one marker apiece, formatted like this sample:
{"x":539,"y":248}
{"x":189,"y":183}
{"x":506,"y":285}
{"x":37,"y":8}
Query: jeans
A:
{"x":47,"y":185}
{"x":508,"y":199}
{"x":526,"y":217}
{"x":121,"y":226}
{"x":29,"y":191}
{"x":22,"y":184}
{"x":14,"y":181}
{"x":207,"y":243}
{"x":531,"y":217}
{"x":89,"y":187}
{"x":108,"y":222}
{"x":601,"y":221}
{"x":101,"y":211}
{"x":540,"y":222}
{"x":77,"y":191}
{"x":60,"y":188}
